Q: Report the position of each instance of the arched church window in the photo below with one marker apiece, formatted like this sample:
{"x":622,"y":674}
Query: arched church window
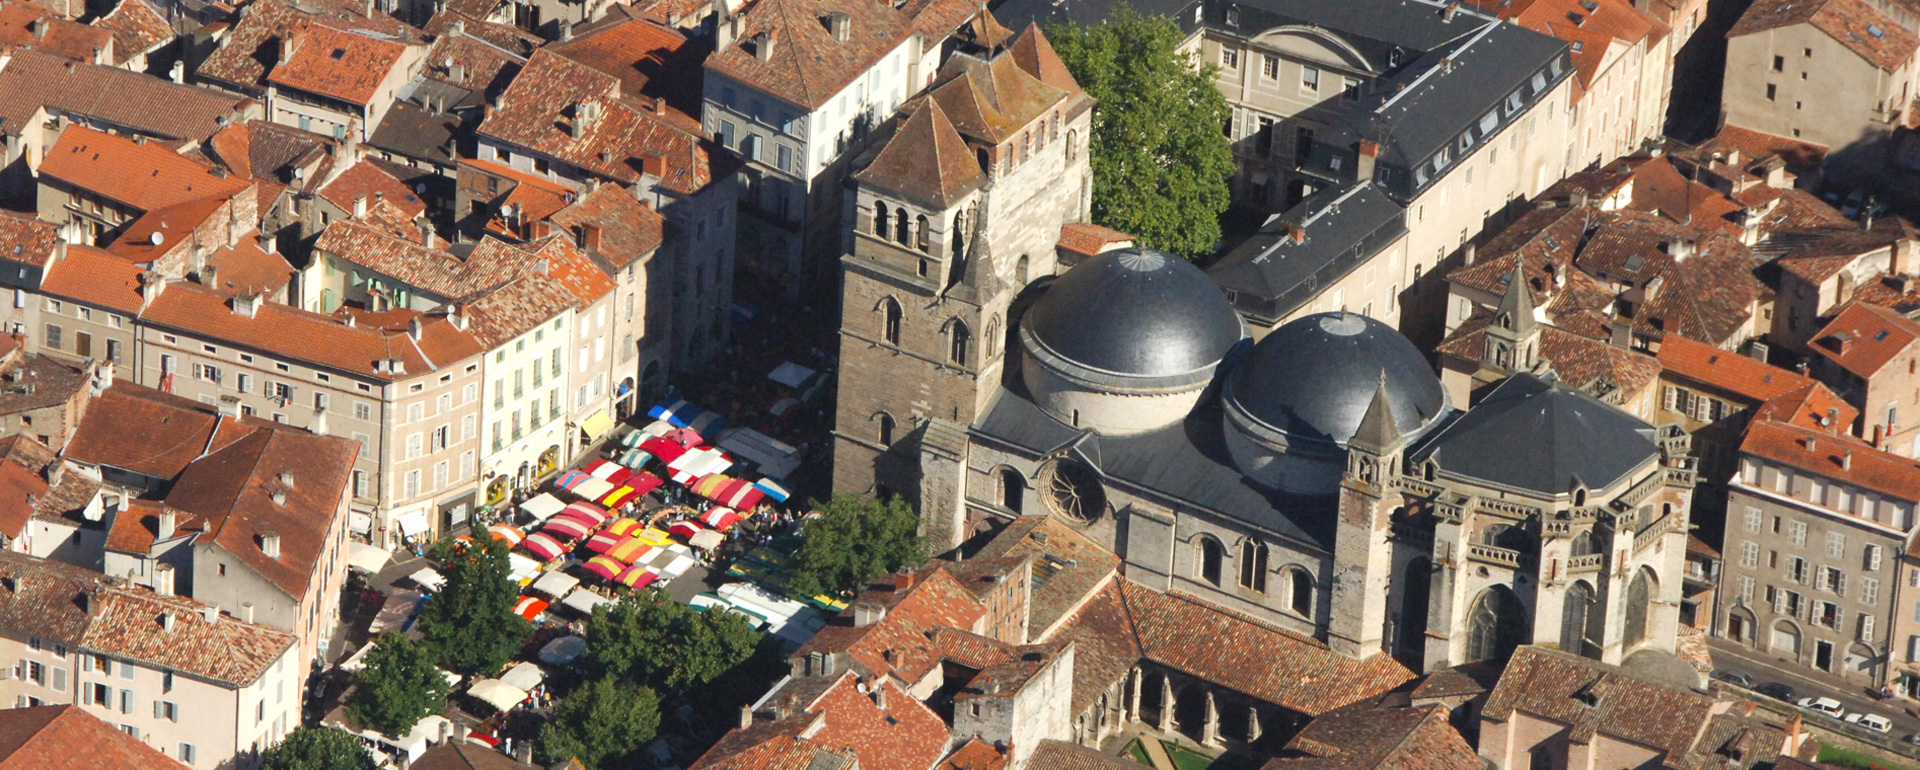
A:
{"x":890,"y":330}
{"x":1211,"y":555}
{"x":1253,"y":565}
{"x":1072,"y":140}
{"x":959,"y":235}
{"x":1013,"y":489}
{"x":1639,"y":604}
{"x":885,"y":422}
{"x":1580,"y":621}
{"x":1073,"y":490}
{"x":1055,"y":133}
{"x":920,"y":233}
{"x":1494,"y":624}
{"x":900,"y":225}
{"x":880,"y":219}
{"x":960,"y":339}
{"x":993,"y":337}
{"x":1300,"y":591}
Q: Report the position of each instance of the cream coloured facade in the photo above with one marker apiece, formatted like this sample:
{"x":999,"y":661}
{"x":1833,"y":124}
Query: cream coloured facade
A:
{"x":526,"y":390}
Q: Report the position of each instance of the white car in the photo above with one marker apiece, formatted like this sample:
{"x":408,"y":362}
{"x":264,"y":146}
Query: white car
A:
{"x":1827,"y":706}
{"x":1874,"y":722}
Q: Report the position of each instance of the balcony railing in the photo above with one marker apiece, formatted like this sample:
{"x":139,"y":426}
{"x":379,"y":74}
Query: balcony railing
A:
{"x":1505,"y":557}
{"x":1591,"y":562}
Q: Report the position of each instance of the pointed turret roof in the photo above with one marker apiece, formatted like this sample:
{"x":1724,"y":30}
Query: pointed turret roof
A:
{"x":1036,"y":55}
{"x":1516,"y":304}
{"x":926,"y":160}
{"x":987,"y":31}
{"x":1377,"y":428}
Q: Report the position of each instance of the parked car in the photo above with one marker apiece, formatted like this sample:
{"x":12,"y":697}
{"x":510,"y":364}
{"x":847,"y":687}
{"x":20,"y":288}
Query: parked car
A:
{"x":1914,"y":739}
{"x":1734,"y":676}
{"x":1776,"y":690}
{"x":1827,"y":706}
{"x":1874,"y":722}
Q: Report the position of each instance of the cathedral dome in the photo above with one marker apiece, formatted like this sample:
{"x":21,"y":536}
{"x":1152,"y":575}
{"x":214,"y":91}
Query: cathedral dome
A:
{"x":1134,"y":313}
{"x":1313,"y":378}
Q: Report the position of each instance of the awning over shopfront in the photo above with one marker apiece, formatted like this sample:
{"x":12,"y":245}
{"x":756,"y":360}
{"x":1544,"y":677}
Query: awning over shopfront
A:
{"x":360,"y":523}
{"x":367,"y":558}
{"x":598,"y":424}
{"x":412,"y":523}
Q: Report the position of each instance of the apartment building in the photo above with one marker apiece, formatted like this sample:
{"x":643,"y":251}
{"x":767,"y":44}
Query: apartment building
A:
{"x":623,"y":237}
{"x":1714,"y":393}
{"x":1870,"y":355}
{"x":525,"y":328}
{"x":1816,"y":526}
{"x":203,"y":688}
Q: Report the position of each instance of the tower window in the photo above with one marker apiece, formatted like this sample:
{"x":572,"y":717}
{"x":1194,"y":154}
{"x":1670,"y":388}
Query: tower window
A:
{"x":1253,"y":565}
{"x":891,"y":328}
{"x":961,"y":339}
{"x":1300,"y":591}
{"x":886,"y":429}
{"x":1211,"y":554}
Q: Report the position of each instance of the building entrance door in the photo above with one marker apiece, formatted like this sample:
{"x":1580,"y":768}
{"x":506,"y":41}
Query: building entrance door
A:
{"x":1823,"y":655}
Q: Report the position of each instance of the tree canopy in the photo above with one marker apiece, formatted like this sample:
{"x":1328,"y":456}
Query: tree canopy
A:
{"x":1160,"y":158}
{"x":399,"y":686}
{"x":470,"y":624}
{"x":854,"y":542}
{"x":648,"y":639}
{"x":604,"y":723}
{"x":317,"y":748}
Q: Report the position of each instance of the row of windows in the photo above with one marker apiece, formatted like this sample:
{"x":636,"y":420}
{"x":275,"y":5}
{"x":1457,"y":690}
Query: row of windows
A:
{"x":1818,"y":612}
{"x":1253,"y":572}
{"x":444,"y":474}
{"x":959,"y":337}
{"x":1823,"y":491}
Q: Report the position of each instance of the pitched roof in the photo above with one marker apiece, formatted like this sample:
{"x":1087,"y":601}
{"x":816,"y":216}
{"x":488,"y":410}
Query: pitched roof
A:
{"x":1576,"y":439}
{"x":785,"y":744}
{"x":39,"y":381}
{"x":136,"y":28}
{"x":650,"y":59}
{"x":1868,"y":33}
{"x":24,"y":25}
{"x":506,"y":37}
{"x":925,"y":161}
{"x":807,"y":65}
{"x":1089,"y":239}
{"x":898,"y":643}
{"x":366,"y":179}
{"x":1834,"y":456}
{"x":1380,"y":733}
{"x":50,"y":738}
{"x":1593,"y":25}
{"x":32,"y":80}
{"x":82,"y":608}
{"x":1067,"y":566}
{"x":1809,"y":406}
{"x":466,"y":756}
{"x":991,"y":100}
{"x":1727,"y":370}
{"x":1864,"y":338}
{"x":1036,"y":55}
{"x":28,"y":241}
{"x":337,"y":63}
{"x":94,"y":277}
{"x":173,"y":431}
{"x":1595,"y":699}
{"x":529,"y":299}
{"x":233,"y":488}
{"x":628,"y":228}
{"x":252,"y":47}
{"x":143,"y":175}
{"x":1061,"y":755}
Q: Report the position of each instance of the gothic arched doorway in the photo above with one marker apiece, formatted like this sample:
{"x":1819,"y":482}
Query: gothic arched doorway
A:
{"x":1580,"y":622}
{"x":1494,"y":627}
{"x":1639,"y":605}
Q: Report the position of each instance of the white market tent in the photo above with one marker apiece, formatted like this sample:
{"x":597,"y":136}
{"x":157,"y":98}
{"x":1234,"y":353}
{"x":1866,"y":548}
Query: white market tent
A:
{"x":563,"y":650}
{"x":524,"y":676}
{"x":367,"y":558}
{"x":583,"y":601}
{"x":522,"y":568}
{"x":593,"y":489}
{"x":790,"y":374}
{"x":541,"y":506}
{"x":426,"y":578}
{"x":555,"y":584}
{"x":498,"y":694}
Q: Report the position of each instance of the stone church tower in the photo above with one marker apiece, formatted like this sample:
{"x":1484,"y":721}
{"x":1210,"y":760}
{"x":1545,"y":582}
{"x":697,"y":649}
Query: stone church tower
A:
{"x":953,"y":213}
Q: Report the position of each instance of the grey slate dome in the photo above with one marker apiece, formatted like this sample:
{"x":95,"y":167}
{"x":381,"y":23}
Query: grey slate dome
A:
{"x":1540,"y":436}
{"x":1312,"y":379}
{"x":1136,"y":313}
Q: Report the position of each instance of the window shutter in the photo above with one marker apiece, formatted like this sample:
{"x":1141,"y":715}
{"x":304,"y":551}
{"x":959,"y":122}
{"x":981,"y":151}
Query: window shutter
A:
{"x":1821,"y":579}
{"x":1866,"y":627}
{"x":1779,"y":602}
{"x":1840,"y":582}
{"x":1873,"y":557}
{"x":1671,"y":395}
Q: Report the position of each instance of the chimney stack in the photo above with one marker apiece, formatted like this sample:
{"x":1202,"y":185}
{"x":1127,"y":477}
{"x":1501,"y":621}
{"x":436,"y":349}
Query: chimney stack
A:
{"x":1369,"y":152}
{"x":164,"y":529}
{"x":840,"y":25}
{"x":163,"y":581}
{"x":746,"y":716}
{"x":1297,"y":232}
{"x":270,"y":541}
{"x":1846,"y":460}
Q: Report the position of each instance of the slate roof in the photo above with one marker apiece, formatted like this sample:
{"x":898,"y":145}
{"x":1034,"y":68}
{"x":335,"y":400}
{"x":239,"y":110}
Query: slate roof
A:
{"x":1133,"y":313}
{"x":1836,"y":457}
{"x":925,"y":161}
{"x":32,"y":80}
{"x":50,"y":738}
{"x":1851,"y":23}
{"x":1343,"y":227}
{"x":145,"y":176}
{"x":418,"y":133}
{"x":1313,"y":379}
{"x":1574,"y":439}
{"x":136,"y":28}
{"x":1381,"y":733}
{"x":82,"y":608}
{"x":1873,"y":336}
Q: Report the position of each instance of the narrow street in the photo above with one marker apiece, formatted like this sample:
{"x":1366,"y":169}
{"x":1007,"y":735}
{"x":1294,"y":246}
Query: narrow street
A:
{"x":1807,"y":682}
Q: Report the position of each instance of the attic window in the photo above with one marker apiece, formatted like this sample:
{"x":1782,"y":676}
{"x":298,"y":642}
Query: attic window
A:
{"x":1875,"y":30}
{"x":1881,"y":337}
{"x":1578,"y":46}
{"x":338,"y":54}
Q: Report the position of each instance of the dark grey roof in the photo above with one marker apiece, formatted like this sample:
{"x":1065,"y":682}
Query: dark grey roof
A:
{"x":1446,"y":94}
{"x":1135,"y":313}
{"x":1313,"y":378}
{"x":416,"y":133}
{"x":1016,"y":14}
{"x":1271,"y":275}
{"x":1185,"y":462}
{"x":1371,"y":26}
{"x":1541,"y":436}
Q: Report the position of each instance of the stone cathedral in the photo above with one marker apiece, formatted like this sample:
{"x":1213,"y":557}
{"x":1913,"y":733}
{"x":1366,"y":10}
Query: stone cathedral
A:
{"x":1318,"y":479}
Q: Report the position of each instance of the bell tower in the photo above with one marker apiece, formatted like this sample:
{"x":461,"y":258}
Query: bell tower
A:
{"x":1362,"y":546}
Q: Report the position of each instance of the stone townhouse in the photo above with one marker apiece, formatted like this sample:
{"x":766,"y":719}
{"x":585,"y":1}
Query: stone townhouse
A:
{"x":44,"y":396}
{"x":83,"y":183}
{"x":1822,"y":268}
{"x":48,"y":735}
{"x":1816,"y":524}
{"x":952,"y":216}
{"x":525,"y":326}
{"x":203,"y":688}
{"x":623,"y":237}
{"x":245,"y":515}
{"x":142,"y":35}
{"x":1837,"y":73}
{"x":1450,"y":140}
{"x":1870,"y":355}
{"x":338,"y":81}
{"x":1713,"y":393}
{"x":790,"y":89}
{"x":567,"y":123}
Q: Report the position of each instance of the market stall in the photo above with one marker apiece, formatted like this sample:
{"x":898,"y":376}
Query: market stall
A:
{"x":544,"y":546}
{"x":367,"y":558}
{"x":543,"y":505}
{"x":554,"y":584}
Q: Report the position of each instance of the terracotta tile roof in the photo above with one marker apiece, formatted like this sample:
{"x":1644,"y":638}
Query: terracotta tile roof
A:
{"x":780,"y":745}
{"x":941,"y":19}
{"x":807,"y":65}
{"x":310,"y":337}
{"x":875,"y":722}
{"x":68,"y":498}
{"x":970,"y":649}
{"x":1898,"y":293}
{"x":1465,"y":680}
{"x":1036,"y":55}
{"x":47,"y":738}
{"x":37,"y":381}
{"x":432,"y":270}
{"x":1104,"y":645}
{"x":570,"y":267}
{"x":1594,"y":698}
{"x":32,"y":80}
{"x":1862,"y":338}
{"x":136,"y":28}
{"x":1582,"y":361}
{"x":976,"y":754}
{"x":1089,"y":239}
{"x":1379,"y":733}
{"x":337,"y":63}
{"x":233,"y":490}
{"x":629,"y":137}
{"x":1737,"y":740}
{"x":25,"y":451}
{"x":145,"y":176}
{"x":1061,"y":755}
{"x":253,"y":45}
{"x":94,"y":277}
{"x":1744,"y":375}
{"x":20,"y":491}
{"x":29,"y":26}
{"x":1709,"y":296}
{"x":650,"y":59}
{"x":466,"y":756}
{"x":898,"y":643}
{"x":82,"y":608}
{"x":262,"y":150}
{"x":1884,"y":472}
{"x":1798,"y":208}
{"x":505,"y":37}
{"x":486,"y":65}
{"x":137,"y":526}
{"x":366,"y":179}
{"x":1067,"y":566}
{"x":1754,"y":144}
{"x":174,"y":431}
{"x":1548,"y":236}
{"x":1851,"y":23}
{"x":1595,"y":25}
{"x":27,"y":240}
{"x":925,"y":160}
{"x":514,"y":308}
{"x":1810,"y":406}
{"x":628,"y":229}
{"x":991,"y":100}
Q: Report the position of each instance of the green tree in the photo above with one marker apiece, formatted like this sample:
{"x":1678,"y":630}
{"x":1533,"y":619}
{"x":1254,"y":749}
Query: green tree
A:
{"x":317,"y":748}
{"x":649,"y":639}
{"x":1160,"y":160}
{"x":604,"y":723}
{"x":470,"y":624}
{"x":854,"y":542}
{"x":399,"y":686}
